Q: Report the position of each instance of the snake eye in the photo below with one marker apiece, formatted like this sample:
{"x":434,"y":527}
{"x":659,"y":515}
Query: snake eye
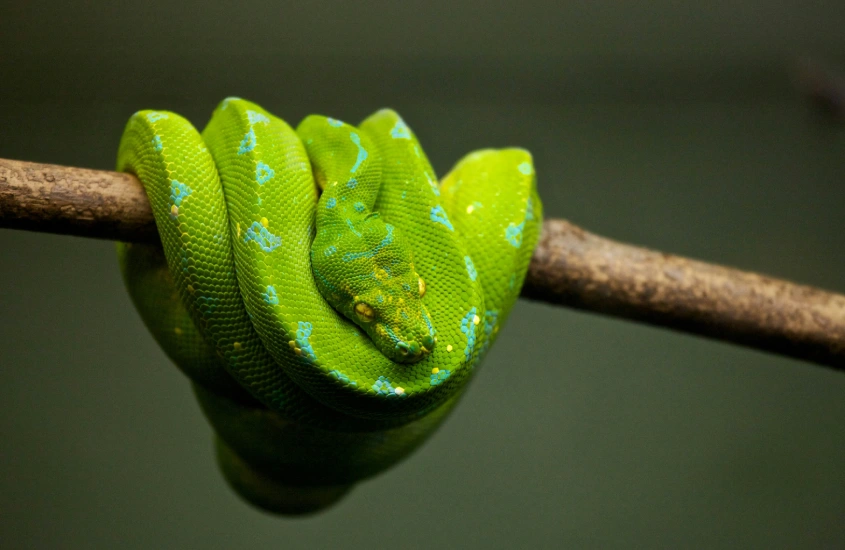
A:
{"x":422,"y":286}
{"x":365,"y":312}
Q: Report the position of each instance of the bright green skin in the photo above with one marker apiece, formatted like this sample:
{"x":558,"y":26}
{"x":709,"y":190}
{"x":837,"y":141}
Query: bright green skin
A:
{"x":333,"y":395}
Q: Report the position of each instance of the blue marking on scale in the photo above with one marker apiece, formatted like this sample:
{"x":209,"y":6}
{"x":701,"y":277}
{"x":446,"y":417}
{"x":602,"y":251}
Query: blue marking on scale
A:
{"x":362,"y":153}
{"x":255,"y":118}
{"x":468,"y":328}
{"x":428,"y":322}
{"x":342,"y":378}
{"x":433,"y":184}
{"x":383,"y":387}
{"x":263,"y":173}
{"x":270,"y":295}
{"x":155,"y":117}
{"x":439,"y":377}
{"x":179,"y":192}
{"x":350,"y":256}
{"x":351,"y":227}
{"x":262,"y":236}
{"x":391,"y":334}
{"x":303,"y":333}
{"x":247,"y":143}
{"x":438,"y":215}
{"x":513,"y":234}
{"x":470,"y":268}
{"x":400,"y":130}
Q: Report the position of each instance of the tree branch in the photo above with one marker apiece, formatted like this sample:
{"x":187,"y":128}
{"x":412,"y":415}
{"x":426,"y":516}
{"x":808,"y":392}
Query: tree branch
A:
{"x":579,"y":269}
{"x":570,"y":267}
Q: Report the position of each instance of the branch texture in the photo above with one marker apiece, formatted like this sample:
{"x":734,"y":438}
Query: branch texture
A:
{"x":570,"y":267}
{"x":576,"y":268}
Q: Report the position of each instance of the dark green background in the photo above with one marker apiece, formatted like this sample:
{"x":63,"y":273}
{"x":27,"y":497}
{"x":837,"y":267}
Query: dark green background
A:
{"x":671,"y":126}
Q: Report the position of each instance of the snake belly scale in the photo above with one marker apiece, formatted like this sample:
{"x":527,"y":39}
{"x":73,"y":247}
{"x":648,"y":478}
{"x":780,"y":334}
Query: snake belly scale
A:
{"x":326,"y":334}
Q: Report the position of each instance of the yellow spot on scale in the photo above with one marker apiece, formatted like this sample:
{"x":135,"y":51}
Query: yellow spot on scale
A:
{"x":265,"y":222}
{"x":435,"y":370}
{"x":174,"y":210}
{"x":295,"y":349}
{"x":449,"y":347}
{"x":191,"y":289}
{"x":470,"y":208}
{"x":476,"y":319}
{"x":238,"y":227}
{"x":237,"y":346}
{"x":399,"y":391}
{"x":178,"y":331}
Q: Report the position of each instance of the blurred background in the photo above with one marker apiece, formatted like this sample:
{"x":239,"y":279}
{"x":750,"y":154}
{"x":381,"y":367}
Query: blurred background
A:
{"x":670,"y":125}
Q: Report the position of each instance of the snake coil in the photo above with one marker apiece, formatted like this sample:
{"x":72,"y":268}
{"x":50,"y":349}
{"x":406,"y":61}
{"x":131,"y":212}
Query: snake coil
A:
{"x":326,"y":335}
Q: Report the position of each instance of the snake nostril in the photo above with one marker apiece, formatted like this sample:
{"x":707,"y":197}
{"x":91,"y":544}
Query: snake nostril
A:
{"x":428,"y":342}
{"x":403,"y":348}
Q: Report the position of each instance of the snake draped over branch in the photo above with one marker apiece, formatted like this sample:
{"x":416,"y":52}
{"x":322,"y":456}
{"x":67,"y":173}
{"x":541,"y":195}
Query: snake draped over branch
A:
{"x":327,"y":296}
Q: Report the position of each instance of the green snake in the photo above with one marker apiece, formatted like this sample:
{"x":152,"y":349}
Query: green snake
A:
{"x":328,"y":297}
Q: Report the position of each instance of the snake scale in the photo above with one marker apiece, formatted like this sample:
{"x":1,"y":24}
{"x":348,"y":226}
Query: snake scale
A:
{"x":327,"y":296}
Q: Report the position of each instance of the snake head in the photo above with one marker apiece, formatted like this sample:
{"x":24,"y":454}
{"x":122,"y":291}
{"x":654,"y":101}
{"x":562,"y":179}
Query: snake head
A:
{"x":369,"y":276}
{"x":396,"y":320}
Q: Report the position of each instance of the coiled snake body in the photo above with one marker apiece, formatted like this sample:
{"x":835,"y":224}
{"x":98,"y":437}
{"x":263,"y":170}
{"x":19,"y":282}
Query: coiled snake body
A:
{"x":326,"y":335}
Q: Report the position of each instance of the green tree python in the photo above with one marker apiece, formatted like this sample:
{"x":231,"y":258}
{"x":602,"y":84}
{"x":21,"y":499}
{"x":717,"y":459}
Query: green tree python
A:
{"x":327,"y":296}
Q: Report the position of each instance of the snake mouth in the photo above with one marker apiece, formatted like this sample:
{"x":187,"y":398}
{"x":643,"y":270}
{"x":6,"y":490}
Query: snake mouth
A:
{"x":412,"y":351}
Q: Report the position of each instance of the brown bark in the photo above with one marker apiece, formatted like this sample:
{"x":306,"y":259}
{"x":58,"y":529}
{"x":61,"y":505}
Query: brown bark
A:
{"x":570,"y":267}
{"x":575,"y":268}
{"x":74,"y":201}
